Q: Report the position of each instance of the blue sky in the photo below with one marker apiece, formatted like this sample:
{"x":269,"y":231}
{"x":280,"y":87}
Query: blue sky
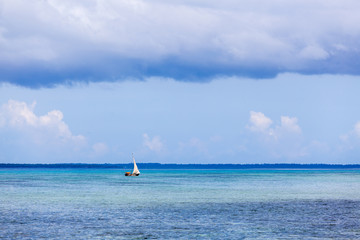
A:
{"x":180,"y":82}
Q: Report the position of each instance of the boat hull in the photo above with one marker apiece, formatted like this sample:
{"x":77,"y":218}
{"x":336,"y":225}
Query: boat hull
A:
{"x":128,"y":174}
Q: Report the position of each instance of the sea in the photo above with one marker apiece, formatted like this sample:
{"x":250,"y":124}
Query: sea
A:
{"x":101,"y":203}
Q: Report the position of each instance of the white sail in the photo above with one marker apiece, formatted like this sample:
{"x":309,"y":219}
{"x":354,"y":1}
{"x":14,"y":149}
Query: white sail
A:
{"x":136,"y":170}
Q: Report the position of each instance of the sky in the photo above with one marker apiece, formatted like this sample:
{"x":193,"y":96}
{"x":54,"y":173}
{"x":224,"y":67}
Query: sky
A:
{"x":265,"y":81}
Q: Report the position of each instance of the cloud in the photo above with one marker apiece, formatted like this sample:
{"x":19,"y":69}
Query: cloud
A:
{"x":155,"y":144}
{"x":349,"y":144}
{"x":314,"y":52}
{"x":357,"y":129}
{"x":281,"y":141}
{"x":19,"y":116}
{"x":57,"y":41}
{"x":288,"y":125}
{"x":39,"y":135}
{"x":259,"y":122}
{"x":351,"y":139}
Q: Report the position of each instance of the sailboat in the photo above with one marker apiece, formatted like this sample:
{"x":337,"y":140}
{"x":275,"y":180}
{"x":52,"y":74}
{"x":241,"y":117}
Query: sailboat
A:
{"x":136,"y":171}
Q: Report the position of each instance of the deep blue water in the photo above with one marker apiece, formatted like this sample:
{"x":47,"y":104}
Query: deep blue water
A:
{"x":179,"y":204}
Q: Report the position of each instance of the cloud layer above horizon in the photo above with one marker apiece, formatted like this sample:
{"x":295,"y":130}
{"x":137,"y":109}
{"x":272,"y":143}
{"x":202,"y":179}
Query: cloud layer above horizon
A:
{"x":45,"y":43}
{"x":292,"y":118}
{"x":44,"y":138}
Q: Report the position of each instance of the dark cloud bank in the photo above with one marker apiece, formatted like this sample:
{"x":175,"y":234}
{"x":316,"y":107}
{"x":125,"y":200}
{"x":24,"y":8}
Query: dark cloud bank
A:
{"x":46,"y":43}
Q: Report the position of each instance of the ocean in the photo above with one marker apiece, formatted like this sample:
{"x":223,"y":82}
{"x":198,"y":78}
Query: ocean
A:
{"x":83,"y":203}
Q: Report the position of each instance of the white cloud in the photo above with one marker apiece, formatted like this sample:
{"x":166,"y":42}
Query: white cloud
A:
{"x":154,"y":144}
{"x":284,"y":140}
{"x":357,"y":129}
{"x":351,"y":139}
{"x":314,"y":52}
{"x":259,"y":122}
{"x":41,"y":130}
{"x":229,"y":34}
{"x":351,"y":136}
{"x":288,"y":125}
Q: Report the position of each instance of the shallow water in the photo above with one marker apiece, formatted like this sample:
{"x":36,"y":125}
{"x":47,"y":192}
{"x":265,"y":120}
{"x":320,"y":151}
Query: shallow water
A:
{"x":179,"y":204}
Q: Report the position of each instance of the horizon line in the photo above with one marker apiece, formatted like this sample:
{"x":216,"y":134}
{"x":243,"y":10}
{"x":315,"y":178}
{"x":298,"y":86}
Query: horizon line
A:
{"x":186,"y":165}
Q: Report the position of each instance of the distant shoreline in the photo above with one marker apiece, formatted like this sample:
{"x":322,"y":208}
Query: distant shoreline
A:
{"x":185,"y":166}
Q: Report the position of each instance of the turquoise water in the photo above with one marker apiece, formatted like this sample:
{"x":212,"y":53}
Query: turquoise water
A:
{"x":179,"y":204}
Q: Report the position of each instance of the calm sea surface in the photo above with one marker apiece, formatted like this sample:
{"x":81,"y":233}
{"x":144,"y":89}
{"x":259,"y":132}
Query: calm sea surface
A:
{"x":179,"y":204}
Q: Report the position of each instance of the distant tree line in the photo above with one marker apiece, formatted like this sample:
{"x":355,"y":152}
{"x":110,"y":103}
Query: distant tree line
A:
{"x":185,"y":166}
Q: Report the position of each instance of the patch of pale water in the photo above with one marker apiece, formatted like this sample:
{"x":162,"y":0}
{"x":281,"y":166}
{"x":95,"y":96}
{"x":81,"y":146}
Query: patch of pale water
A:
{"x":179,"y":204}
